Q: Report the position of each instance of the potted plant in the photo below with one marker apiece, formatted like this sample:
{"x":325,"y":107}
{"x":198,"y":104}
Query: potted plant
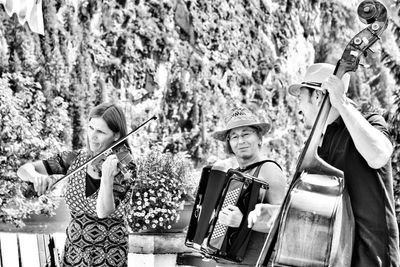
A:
{"x":164,"y":183}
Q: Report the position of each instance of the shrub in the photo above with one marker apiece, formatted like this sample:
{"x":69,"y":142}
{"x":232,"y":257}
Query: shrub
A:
{"x":30,"y":128}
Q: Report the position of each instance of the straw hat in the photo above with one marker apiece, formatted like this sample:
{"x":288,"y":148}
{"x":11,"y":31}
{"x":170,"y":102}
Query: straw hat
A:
{"x":316,"y":74}
{"x":240,"y":117}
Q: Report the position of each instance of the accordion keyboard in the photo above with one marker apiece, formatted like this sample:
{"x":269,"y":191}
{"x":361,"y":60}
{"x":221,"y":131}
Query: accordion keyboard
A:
{"x":231,"y":198}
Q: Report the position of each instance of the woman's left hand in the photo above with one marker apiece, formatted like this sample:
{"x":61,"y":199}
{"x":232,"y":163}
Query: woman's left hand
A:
{"x":264,"y":214}
{"x":230,"y":216}
{"x":109,"y":168}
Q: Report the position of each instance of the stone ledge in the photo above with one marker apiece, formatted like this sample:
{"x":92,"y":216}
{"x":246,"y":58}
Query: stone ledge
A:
{"x":157,"y":243}
{"x":139,"y":243}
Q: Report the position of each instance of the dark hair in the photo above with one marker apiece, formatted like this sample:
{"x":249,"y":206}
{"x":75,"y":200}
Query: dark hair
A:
{"x":227,"y":146}
{"x":113,"y":116}
{"x":309,"y":89}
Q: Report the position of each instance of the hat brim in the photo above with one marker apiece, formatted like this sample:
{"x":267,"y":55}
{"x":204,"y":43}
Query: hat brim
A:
{"x":263,"y":126}
{"x":294,"y":89}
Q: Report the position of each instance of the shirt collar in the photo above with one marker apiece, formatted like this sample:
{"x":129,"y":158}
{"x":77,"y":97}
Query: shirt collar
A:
{"x":337,"y":123}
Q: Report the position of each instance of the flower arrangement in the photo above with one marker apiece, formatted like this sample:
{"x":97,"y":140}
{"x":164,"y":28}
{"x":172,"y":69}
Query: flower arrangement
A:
{"x":160,"y":190}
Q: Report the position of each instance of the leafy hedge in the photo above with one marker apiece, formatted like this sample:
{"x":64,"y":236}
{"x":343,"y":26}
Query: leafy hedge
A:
{"x":31,"y":128}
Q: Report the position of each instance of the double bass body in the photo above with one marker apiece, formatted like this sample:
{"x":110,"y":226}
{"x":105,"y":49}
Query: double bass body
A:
{"x":317,"y":227}
{"x":317,"y":223}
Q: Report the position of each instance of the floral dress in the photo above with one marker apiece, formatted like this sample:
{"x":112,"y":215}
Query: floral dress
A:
{"x":92,"y":241}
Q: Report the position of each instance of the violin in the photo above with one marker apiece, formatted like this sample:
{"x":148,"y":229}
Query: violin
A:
{"x":125,"y":160}
{"x":315,"y":223}
{"x":126,"y":165}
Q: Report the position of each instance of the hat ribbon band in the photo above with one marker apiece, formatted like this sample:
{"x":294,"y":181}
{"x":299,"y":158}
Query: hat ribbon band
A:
{"x":312,"y":84}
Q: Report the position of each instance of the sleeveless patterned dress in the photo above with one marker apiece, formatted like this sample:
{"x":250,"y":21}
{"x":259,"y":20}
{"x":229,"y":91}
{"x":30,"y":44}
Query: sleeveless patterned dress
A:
{"x":91,"y":241}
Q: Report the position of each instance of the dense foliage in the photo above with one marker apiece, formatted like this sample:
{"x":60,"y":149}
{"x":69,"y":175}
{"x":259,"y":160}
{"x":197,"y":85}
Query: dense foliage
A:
{"x":187,"y":62}
{"x":31,"y":128}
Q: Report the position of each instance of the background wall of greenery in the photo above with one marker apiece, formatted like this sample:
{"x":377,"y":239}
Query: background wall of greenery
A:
{"x":186,"y":61}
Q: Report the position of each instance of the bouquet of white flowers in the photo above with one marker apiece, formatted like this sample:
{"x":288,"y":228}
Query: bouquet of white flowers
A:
{"x":159,"y":190}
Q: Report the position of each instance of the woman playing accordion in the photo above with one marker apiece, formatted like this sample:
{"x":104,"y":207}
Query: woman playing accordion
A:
{"x":244,"y":213}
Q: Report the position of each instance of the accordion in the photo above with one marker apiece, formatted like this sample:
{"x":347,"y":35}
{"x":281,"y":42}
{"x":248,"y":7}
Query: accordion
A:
{"x":216,"y":190}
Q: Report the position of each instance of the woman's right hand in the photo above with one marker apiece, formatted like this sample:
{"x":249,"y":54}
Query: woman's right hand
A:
{"x":35,"y":172}
{"x":230,"y":216}
{"x":41,"y":183}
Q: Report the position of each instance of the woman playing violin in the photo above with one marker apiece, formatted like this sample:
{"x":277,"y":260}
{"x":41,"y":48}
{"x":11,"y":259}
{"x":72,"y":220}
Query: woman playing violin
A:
{"x":97,"y":233}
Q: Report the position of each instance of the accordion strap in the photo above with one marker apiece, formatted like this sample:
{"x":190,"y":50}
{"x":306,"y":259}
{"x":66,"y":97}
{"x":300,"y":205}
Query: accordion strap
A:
{"x":243,"y":234}
{"x":259,"y":165}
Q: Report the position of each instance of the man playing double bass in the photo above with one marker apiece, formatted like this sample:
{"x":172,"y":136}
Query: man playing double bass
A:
{"x":359,"y":145}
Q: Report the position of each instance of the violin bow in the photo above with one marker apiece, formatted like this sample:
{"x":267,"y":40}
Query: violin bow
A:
{"x":107,"y":151}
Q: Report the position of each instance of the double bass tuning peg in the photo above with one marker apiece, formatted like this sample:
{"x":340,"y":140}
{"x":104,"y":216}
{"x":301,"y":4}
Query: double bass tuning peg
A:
{"x":368,"y":51}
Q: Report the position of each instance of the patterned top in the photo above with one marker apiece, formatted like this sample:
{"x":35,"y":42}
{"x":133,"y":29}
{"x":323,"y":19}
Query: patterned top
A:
{"x":92,"y":241}
{"x":76,"y":199}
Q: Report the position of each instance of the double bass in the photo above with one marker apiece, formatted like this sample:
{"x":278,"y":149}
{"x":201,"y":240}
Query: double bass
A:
{"x":315,"y":223}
